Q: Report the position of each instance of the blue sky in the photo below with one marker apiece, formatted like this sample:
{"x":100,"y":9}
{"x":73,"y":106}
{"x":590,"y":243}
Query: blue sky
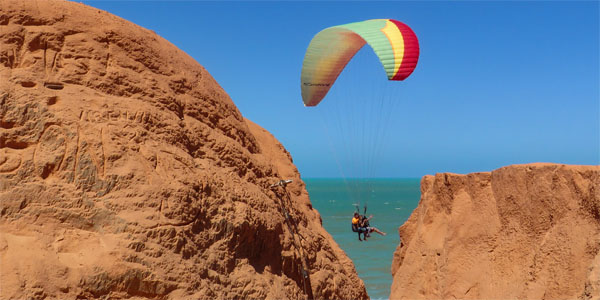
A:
{"x":497,"y":83}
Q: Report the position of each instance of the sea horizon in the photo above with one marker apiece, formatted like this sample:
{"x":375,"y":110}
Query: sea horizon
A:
{"x":389,"y":200}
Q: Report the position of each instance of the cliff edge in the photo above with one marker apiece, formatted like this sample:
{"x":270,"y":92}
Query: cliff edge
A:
{"x":520,"y":232}
{"x":126,"y":172}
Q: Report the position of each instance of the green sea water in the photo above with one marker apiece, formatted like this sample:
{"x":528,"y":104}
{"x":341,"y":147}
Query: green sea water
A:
{"x":390,"y":201}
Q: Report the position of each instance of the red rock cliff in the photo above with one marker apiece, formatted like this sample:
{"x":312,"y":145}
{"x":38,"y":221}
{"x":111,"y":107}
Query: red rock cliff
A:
{"x":519,"y":232}
{"x":127,"y":172}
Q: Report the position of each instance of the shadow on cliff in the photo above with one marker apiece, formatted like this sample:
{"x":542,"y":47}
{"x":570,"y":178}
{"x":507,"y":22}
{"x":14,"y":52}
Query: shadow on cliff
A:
{"x":285,"y":201}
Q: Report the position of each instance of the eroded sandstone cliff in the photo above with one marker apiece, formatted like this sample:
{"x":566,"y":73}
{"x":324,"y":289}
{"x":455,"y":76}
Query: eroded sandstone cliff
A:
{"x":127,"y":172}
{"x":519,"y":232}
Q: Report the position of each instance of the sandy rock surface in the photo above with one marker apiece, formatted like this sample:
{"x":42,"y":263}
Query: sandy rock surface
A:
{"x":520,"y":232}
{"x":127,"y":172}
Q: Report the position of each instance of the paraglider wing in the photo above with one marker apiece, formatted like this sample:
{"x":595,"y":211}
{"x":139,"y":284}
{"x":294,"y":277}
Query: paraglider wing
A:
{"x":395,"y":44}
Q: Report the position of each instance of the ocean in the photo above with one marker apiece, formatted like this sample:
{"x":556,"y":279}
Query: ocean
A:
{"x":390,"y":201}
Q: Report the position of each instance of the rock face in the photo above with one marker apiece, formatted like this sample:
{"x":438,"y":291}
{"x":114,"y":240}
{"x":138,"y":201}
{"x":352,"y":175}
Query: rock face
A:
{"x":519,"y":232}
{"x":127,"y":172}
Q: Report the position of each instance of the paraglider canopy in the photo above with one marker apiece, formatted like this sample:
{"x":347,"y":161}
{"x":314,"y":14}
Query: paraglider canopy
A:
{"x":357,"y":112}
{"x":330,"y":50}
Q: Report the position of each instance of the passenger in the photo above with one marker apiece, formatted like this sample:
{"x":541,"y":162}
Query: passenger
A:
{"x":364,"y":223}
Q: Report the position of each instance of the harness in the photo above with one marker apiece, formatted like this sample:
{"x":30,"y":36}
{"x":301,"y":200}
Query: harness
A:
{"x":356,"y":227}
